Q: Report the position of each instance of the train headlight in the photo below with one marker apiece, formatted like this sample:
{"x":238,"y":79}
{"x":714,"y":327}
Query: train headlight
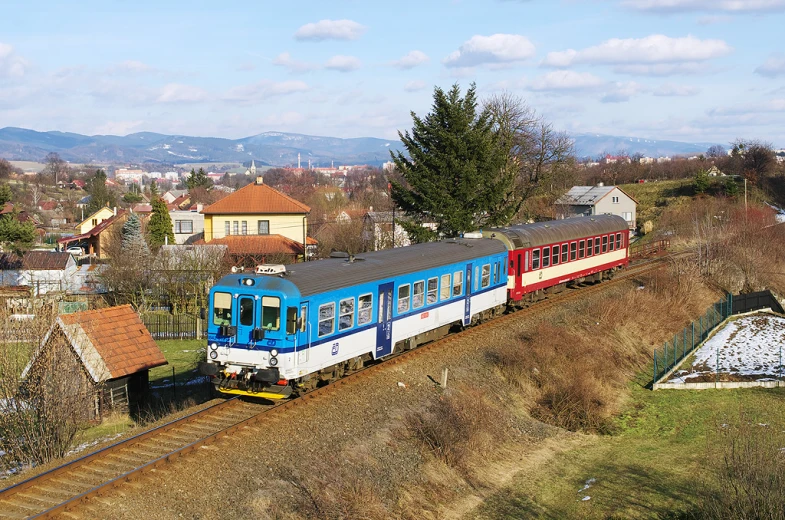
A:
{"x":273,"y":361}
{"x":274,"y":352}
{"x":213,"y":354}
{"x":214,"y":345}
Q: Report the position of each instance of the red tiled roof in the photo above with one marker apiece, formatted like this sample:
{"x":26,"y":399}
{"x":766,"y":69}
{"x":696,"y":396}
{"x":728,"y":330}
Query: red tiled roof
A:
{"x":260,"y":244}
{"x":95,"y":231}
{"x":48,"y":205}
{"x":256,"y":199}
{"x":119,"y":337}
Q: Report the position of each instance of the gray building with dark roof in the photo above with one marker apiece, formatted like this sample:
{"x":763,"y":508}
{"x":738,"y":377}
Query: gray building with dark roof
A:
{"x":584,"y":201}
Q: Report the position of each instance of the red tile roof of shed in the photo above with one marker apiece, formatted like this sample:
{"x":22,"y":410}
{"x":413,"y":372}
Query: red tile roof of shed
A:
{"x":120,"y":338}
{"x":259,"y":244}
{"x":256,"y":198}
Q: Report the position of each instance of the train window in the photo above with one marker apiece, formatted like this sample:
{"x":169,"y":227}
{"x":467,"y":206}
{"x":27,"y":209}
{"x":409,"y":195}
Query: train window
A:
{"x":581,"y":249}
{"x":564,"y":248}
{"x":536,"y":259}
{"x":291,"y":320}
{"x":271,"y":313}
{"x":457,"y":283}
{"x":610,"y":245}
{"x":589,"y":247}
{"x":546,"y":256}
{"x":403,"y":298}
{"x":346,"y":314}
{"x":418,"y":298}
{"x":486,"y":275}
{"x":555,"y":256}
{"x":526,"y":265}
{"x":364,"y":309}
{"x":476,"y":277}
{"x":246,"y":311}
{"x":304,"y":318}
{"x":433,"y":287}
{"x":326,"y":319}
{"x":618,"y":240}
{"x":222,"y":309}
{"x":446,"y":284}
{"x":573,"y":250}
{"x":497,"y":267}
{"x":597,"y":246}
{"x":605,"y":243}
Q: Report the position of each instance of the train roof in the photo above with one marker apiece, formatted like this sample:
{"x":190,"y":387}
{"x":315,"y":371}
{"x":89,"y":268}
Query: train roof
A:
{"x":334,"y":273}
{"x":523,"y":236}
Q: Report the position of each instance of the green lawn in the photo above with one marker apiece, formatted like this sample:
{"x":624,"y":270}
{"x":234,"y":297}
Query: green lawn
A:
{"x":653,"y":467}
{"x":182,"y":355}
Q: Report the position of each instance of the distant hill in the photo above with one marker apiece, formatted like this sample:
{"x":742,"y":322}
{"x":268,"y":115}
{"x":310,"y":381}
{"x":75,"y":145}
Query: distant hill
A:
{"x":596,"y":145}
{"x":268,"y":148}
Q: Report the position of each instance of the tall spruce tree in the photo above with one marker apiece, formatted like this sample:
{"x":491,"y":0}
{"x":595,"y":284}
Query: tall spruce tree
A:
{"x":455,"y":174}
{"x":198,"y":179}
{"x":154,"y":193}
{"x":100,"y":195}
{"x":133,"y":241}
{"x":160,"y":226}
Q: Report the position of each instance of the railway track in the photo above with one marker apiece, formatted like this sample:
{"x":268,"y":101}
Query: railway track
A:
{"x":64,"y":488}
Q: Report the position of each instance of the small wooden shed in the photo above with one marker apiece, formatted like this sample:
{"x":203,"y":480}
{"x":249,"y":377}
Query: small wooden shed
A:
{"x":108,"y":351}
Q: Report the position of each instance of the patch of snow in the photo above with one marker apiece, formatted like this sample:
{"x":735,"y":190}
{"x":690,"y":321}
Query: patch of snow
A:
{"x":192,"y":149}
{"x":587,"y":485}
{"x":748,"y":346}
{"x":239,"y":148}
{"x":167,"y":146}
{"x":584,"y":499}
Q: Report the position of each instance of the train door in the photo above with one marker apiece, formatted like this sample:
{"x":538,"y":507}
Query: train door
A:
{"x":384,"y":322}
{"x":303,"y":341}
{"x":467,"y":307}
{"x":246,"y":311}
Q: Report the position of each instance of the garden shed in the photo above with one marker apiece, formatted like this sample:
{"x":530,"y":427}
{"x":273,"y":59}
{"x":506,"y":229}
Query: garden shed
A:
{"x":100,"y":358}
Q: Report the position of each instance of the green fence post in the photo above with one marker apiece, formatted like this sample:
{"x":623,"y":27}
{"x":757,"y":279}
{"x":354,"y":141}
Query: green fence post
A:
{"x":655,"y":368}
{"x":718,"y":364}
{"x":730,"y":299}
{"x":701,"y":328}
{"x":665,"y":368}
{"x":693,"y":337}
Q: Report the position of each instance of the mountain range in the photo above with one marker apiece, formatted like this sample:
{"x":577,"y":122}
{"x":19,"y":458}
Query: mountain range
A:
{"x":268,"y":148}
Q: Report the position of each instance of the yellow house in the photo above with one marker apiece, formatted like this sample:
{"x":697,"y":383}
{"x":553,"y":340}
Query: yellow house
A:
{"x":256,"y":210}
{"x":93,"y":220}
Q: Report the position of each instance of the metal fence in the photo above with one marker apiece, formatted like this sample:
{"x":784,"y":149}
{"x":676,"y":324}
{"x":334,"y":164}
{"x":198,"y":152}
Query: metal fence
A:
{"x":650,"y":248}
{"x":175,"y":326}
{"x":684,"y":342}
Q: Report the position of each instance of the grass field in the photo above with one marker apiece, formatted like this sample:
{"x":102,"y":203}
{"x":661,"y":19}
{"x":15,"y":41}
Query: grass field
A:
{"x":654,"y":466}
{"x":182,"y":355}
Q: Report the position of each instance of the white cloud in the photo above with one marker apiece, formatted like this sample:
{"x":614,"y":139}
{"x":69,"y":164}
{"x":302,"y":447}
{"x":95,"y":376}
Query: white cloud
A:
{"x":772,"y":105}
{"x":712,"y":19}
{"x":265,"y":89}
{"x":411,"y":60}
{"x":669,"y":90}
{"x":296,"y":66}
{"x":414,"y":86}
{"x":179,"y":93}
{"x":495,"y":49}
{"x":653,"y":49}
{"x":772,"y":67}
{"x":732,"y":6}
{"x":663,"y":69}
{"x":566,"y":80}
{"x":343,"y":63}
{"x":330,"y":30}
{"x":620,"y":92}
{"x":11,"y":64}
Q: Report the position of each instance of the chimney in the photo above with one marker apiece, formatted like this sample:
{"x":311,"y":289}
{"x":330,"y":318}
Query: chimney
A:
{"x":259,"y":179}
{"x":600,"y":184}
{"x":115,"y":210}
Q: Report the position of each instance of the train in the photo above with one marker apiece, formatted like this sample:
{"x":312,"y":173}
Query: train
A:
{"x":281,"y":329}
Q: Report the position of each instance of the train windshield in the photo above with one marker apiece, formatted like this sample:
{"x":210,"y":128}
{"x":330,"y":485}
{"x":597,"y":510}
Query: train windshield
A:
{"x":222,"y":309}
{"x":271,"y":313}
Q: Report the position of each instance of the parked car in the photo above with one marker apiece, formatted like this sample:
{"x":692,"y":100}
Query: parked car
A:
{"x":74,"y":250}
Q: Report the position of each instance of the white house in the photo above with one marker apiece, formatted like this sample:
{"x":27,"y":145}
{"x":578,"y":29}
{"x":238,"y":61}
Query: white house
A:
{"x":597,"y":200}
{"x":43,"y":271}
{"x":188,"y":225}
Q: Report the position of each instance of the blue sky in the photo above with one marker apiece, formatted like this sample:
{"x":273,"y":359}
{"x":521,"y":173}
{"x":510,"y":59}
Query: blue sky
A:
{"x":688,"y":70}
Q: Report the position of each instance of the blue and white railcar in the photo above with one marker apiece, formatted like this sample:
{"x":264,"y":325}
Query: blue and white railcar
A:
{"x":271,"y":333}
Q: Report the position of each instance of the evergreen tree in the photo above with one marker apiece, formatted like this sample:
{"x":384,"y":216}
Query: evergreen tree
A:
{"x":702,"y":181}
{"x":154,"y":190}
{"x":160,"y":226}
{"x":100,"y":195}
{"x":198,"y":179}
{"x":14,"y":235}
{"x":455,"y":174}
{"x":731,"y":188}
{"x":5,"y":194}
{"x":133,"y":241}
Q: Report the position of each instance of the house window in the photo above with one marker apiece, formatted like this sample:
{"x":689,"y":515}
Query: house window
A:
{"x":227,"y":230}
{"x":245,"y":227}
{"x":627,"y":215}
{"x":486,"y":275}
{"x":326,"y":319}
{"x":444,"y":294}
{"x":418,"y":296}
{"x":236,"y":227}
{"x":183,"y":226}
{"x":364,"y":311}
{"x":346,"y":314}
{"x":94,"y":222}
{"x":403,"y":298}
{"x":615,"y":200}
{"x":263,"y":227}
{"x":433,"y":286}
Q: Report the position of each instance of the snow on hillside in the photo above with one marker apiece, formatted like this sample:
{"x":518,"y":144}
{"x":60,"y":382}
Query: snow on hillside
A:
{"x":750,"y":349}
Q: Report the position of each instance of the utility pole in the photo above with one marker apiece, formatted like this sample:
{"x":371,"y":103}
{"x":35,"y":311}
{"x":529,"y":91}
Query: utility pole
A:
{"x":745,"y":199}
